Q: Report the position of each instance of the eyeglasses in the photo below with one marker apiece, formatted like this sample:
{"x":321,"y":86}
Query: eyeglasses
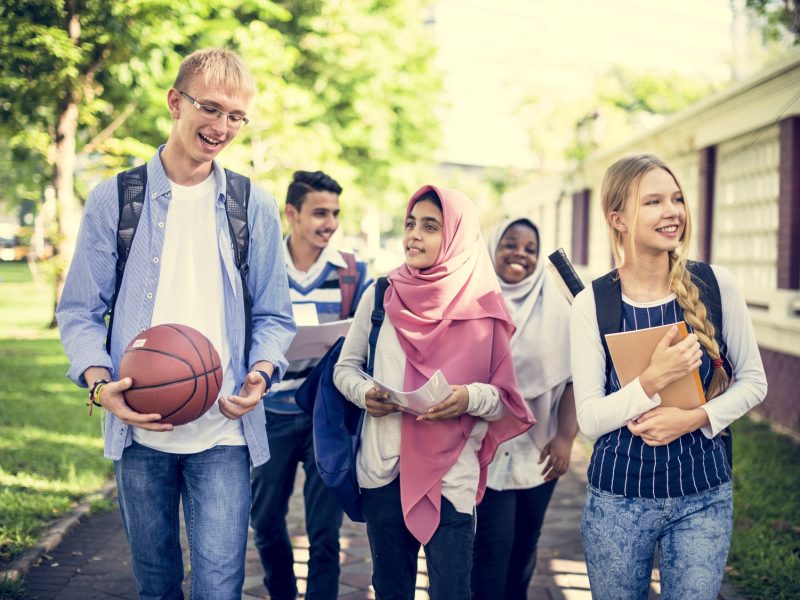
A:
{"x":212,"y":113}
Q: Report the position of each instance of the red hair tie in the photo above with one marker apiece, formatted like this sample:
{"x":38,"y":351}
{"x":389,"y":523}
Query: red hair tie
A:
{"x":717,"y":363}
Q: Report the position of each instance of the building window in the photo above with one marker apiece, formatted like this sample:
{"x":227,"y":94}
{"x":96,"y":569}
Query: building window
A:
{"x":580,"y":227}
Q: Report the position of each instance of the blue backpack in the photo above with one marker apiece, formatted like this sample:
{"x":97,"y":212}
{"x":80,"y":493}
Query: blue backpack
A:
{"x":337,"y":422}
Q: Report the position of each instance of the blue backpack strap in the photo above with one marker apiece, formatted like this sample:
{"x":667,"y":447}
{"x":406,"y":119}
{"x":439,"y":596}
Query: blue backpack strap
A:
{"x":131,"y":186}
{"x":608,"y":308}
{"x":237,"y":197}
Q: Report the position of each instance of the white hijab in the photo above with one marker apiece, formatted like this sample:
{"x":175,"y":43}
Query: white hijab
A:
{"x":540,"y":346}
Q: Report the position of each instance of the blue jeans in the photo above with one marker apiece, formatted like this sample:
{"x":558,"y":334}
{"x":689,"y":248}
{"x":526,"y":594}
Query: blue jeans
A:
{"x":504,"y":552}
{"x":215,"y":488}
{"x":394,"y":550}
{"x":693,"y":534}
{"x":291,"y":442}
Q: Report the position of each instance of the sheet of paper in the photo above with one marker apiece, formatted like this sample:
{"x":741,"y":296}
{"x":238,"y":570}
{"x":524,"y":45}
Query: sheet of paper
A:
{"x":420,"y":400}
{"x":305,"y":313}
{"x":313,"y":341}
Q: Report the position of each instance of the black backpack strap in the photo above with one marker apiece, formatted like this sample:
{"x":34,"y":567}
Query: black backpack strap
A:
{"x":608,"y":308}
{"x":377,"y":320}
{"x":237,"y":197}
{"x":131,"y":186}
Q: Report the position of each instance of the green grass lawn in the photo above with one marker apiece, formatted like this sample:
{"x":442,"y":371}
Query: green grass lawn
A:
{"x":51,"y":452}
{"x":765,"y":553}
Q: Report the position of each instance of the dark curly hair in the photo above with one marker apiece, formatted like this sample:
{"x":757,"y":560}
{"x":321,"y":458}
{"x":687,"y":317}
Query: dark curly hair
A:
{"x":304,"y":182}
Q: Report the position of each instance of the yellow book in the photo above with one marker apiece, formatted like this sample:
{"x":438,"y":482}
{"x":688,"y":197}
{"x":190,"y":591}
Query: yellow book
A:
{"x":631,"y":352}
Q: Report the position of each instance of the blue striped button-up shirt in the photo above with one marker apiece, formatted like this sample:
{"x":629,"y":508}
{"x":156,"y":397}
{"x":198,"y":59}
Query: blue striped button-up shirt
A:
{"x":89,"y":289}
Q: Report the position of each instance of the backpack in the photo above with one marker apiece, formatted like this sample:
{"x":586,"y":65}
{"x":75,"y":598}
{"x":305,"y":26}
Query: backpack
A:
{"x":351,"y":279}
{"x":337,"y":422}
{"x":608,"y":307}
{"x":131,"y":186}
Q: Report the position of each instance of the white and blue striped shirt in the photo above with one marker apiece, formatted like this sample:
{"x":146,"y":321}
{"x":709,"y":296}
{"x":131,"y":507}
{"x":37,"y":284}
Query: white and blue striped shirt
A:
{"x":318,"y":286}
{"x":621,"y":463}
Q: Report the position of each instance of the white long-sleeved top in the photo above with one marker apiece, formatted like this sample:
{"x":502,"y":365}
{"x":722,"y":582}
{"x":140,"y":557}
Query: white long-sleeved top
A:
{"x":378,"y":461}
{"x":599,"y":414}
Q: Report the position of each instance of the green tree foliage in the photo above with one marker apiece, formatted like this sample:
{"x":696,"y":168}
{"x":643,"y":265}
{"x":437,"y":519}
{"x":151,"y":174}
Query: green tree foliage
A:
{"x":363,"y":91}
{"x":780,"y":17}
{"x":348,"y":87}
{"x":625,"y":102}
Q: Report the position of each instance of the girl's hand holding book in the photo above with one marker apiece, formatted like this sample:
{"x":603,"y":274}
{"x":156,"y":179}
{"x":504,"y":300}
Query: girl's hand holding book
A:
{"x":664,"y":424}
{"x":671,"y":361}
{"x":377,"y":403}
{"x":456,"y":405}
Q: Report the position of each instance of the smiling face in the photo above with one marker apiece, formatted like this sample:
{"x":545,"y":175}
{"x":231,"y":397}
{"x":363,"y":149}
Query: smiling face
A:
{"x":422,"y":238}
{"x":316,"y":220}
{"x":196,"y":134}
{"x":517,"y":253}
{"x":654,"y":218}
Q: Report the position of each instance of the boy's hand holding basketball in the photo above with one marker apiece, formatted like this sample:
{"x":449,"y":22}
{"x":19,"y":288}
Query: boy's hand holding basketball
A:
{"x":376,"y":404}
{"x":249,"y":397}
{"x":455,"y":405}
{"x":110,"y":398}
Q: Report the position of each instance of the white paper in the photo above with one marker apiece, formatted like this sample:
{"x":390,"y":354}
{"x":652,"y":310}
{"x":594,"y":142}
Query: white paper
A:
{"x":305,"y":313}
{"x":313,"y":341}
{"x":420,"y":400}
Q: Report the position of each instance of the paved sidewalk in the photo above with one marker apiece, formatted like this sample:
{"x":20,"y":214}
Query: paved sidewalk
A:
{"x":93,"y":561}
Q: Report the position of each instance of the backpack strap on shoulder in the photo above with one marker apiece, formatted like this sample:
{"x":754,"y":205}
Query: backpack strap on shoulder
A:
{"x":710,"y":295}
{"x":237,"y":197}
{"x":348,"y":284}
{"x":377,"y":320}
{"x":131,"y":185}
{"x":608,"y":308}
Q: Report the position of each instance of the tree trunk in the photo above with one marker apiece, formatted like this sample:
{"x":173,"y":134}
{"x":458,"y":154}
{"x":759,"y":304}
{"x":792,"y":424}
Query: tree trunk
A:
{"x":68,"y":211}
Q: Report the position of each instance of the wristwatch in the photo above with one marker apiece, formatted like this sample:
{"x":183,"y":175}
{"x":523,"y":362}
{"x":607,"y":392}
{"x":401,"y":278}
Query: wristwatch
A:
{"x":267,"y":379}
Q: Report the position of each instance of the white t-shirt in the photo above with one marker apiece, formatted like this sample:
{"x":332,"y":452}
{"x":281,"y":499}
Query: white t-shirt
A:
{"x":378,"y":461}
{"x":190,"y":292}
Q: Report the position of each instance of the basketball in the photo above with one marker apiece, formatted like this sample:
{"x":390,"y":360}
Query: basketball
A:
{"x":176,"y":373}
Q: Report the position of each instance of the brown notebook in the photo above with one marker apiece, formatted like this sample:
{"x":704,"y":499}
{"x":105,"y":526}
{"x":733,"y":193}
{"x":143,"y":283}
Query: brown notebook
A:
{"x":631,"y":352}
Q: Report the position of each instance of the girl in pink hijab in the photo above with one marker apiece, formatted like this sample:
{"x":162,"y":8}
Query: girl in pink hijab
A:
{"x":422,"y":476}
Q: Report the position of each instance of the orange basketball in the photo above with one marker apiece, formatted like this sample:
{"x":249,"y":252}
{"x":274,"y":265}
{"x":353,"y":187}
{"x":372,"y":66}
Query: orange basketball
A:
{"x":176,"y":373}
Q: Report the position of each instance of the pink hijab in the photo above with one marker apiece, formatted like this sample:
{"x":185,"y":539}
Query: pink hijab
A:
{"x":451,"y":317}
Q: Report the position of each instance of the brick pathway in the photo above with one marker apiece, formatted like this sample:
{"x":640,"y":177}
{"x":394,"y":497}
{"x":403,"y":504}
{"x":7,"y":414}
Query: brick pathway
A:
{"x":93,"y":561}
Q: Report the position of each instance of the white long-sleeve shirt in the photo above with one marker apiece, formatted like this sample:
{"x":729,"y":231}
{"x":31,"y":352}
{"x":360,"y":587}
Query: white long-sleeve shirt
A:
{"x":379,"y":454}
{"x":599,"y":414}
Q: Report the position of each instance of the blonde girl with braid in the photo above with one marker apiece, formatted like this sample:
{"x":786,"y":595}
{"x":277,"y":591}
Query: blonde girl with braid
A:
{"x":660,"y":476}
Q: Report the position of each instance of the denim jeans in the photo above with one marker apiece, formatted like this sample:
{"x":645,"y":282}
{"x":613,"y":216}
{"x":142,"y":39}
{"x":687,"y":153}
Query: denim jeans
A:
{"x":214,"y":487}
{"x":504,"y":553}
{"x":394,"y":550}
{"x":291,"y":442}
{"x":693,"y":534}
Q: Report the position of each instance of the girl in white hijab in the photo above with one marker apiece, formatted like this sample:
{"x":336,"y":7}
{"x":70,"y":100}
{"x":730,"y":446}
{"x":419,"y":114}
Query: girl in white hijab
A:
{"x":525,"y":469}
